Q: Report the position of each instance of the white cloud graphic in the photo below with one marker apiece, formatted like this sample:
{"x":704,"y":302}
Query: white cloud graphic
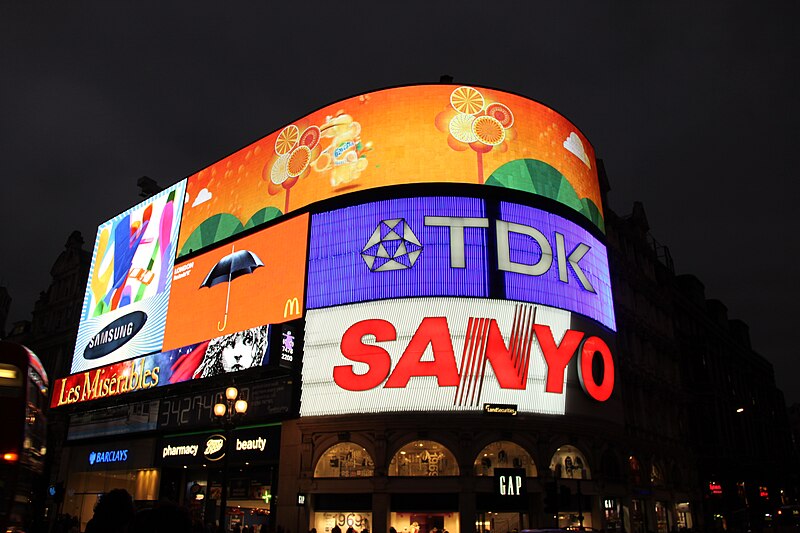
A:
{"x":202,"y":196}
{"x":573,"y":144}
{"x":186,"y":198}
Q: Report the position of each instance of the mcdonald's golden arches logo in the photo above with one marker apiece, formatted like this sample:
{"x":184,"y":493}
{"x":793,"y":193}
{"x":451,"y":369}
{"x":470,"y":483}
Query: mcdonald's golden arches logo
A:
{"x":291,"y":307}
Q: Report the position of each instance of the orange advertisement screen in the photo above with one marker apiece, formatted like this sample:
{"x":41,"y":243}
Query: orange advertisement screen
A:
{"x":256,"y":280}
{"x":417,"y":134}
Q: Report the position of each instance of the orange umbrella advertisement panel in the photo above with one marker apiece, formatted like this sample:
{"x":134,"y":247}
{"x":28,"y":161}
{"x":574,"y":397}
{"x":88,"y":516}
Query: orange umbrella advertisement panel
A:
{"x":256,"y":280}
{"x":417,"y":134}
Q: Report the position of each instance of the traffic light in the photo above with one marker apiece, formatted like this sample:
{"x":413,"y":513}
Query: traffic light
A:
{"x":550,"y":498}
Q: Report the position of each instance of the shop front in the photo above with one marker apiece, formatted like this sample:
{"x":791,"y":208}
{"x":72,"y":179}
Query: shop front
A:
{"x":94,"y":469}
{"x":243,"y":463}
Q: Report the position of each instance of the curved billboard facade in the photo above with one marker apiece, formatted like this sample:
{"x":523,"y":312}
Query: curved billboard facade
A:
{"x":269,"y":236}
{"x":404,"y":135}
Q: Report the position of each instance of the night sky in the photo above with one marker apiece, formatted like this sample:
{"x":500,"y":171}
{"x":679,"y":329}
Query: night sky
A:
{"x":693,"y":107}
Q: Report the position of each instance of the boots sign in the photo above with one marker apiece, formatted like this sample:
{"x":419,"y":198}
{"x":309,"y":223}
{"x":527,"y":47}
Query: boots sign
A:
{"x":447,"y":354}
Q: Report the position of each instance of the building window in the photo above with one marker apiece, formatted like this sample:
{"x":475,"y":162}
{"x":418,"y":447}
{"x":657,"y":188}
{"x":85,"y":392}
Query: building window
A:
{"x":423,"y":458}
{"x":345,"y":459}
{"x":569,"y":463}
{"x":656,"y":476}
{"x":503,"y":454}
{"x":635,"y":470}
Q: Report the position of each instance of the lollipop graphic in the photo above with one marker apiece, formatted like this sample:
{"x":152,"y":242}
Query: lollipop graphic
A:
{"x":472,"y":122}
{"x":293,"y":155}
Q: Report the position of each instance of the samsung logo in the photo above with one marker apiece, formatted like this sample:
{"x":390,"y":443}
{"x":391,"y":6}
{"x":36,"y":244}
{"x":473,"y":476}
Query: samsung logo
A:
{"x":115,"y":335}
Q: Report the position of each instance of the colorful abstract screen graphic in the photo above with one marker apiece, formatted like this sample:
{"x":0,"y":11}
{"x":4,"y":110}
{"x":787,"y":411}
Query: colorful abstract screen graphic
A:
{"x":255,"y":280}
{"x":228,"y":353}
{"x":445,"y":354}
{"x":418,"y":134}
{"x":435,"y":246}
{"x":126,"y":298}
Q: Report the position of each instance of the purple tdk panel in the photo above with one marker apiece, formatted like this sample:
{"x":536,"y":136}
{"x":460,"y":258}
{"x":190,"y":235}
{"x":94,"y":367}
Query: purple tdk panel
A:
{"x":384,"y":250}
{"x":547,"y":288}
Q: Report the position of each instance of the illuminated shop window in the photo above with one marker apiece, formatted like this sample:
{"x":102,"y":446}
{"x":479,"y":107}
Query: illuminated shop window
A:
{"x":503,"y":454}
{"x":569,"y":463}
{"x":423,"y":458}
{"x":345,"y":459}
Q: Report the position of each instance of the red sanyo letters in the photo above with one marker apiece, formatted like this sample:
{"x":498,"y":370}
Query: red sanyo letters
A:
{"x":484,"y":344}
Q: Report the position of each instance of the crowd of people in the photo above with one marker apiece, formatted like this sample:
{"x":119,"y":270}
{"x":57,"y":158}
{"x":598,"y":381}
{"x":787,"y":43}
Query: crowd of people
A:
{"x":115,"y":512}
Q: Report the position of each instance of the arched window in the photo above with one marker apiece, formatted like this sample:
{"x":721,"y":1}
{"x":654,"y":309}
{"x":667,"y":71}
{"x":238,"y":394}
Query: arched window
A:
{"x":345,"y":459}
{"x":423,"y":458}
{"x":503,"y":454}
{"x":569,"y":463}
{"x":635,"y":470}
{"x":656,"y":475}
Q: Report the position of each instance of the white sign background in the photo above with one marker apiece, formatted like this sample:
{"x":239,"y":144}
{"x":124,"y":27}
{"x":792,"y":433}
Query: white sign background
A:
{"x":321,"y":395}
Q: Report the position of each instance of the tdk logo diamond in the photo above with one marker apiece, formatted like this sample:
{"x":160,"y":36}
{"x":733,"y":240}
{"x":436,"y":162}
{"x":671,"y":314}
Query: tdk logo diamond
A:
{"x":392,"y":246}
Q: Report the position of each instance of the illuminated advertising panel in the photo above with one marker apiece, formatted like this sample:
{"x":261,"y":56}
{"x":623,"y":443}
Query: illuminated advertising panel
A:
{"x":386,"y":250}
{"x":252,"y":281}
{"x":446,"y":354}
{"x":228,"y":353}
{"x":549,"y":260}
{"x":419,"y":134}
{"x":435,"y":246}
{"x":126,"y":298}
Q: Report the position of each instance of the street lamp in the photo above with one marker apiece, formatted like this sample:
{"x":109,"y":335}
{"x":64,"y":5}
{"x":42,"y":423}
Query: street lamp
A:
{"x":228,"y":409}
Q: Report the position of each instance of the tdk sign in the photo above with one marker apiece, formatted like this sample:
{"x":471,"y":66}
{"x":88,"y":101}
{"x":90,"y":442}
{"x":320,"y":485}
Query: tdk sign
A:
{"x":405,"y":250}
{"x":451,"y":247}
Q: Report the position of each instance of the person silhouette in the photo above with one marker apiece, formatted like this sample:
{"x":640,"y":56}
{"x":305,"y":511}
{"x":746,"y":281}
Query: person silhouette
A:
{"x":113,"y":513}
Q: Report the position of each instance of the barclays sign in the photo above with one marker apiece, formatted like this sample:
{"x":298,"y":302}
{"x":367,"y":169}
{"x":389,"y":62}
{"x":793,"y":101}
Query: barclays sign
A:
{"x":109,"y":456}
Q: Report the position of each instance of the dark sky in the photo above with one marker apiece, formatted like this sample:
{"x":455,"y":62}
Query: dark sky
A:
{"x":693,"y":106}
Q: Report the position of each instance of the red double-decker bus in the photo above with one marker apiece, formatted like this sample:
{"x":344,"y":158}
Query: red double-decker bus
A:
{"x":23,"y":397}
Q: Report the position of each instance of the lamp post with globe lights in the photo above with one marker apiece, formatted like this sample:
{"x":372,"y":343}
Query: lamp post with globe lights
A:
{"x":229,"y":408}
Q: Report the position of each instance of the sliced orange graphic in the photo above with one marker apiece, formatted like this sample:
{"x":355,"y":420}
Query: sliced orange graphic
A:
{"x":488,"y":130}
{"x":502,"y":113}
{"x":467,"y":100}
{"x":310,"y":137}
{"x":298,"y":161}
{"x":279,"y":172}
{"x":287,"y":139}
{"x":461,"y":128}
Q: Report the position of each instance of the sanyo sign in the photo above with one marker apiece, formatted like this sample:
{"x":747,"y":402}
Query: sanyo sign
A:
{"x":448,"y":354}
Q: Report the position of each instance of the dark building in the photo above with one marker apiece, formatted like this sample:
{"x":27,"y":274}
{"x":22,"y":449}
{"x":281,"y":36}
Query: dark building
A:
{"x":657,"y":403}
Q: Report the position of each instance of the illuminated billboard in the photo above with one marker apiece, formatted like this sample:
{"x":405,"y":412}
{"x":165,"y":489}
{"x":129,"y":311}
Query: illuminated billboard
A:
{"x":125,"y":304}
{"x":252,"y":281}
{"x":547,"y":259}
{"x":385,"y":250}
{"x":435,"y":246}
{"x":418,"y":134}
{"x":447,"y":354}
{"x":228,"y":353}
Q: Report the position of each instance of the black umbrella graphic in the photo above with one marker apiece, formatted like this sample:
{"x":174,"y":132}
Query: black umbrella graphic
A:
{"x":229,"y":268}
